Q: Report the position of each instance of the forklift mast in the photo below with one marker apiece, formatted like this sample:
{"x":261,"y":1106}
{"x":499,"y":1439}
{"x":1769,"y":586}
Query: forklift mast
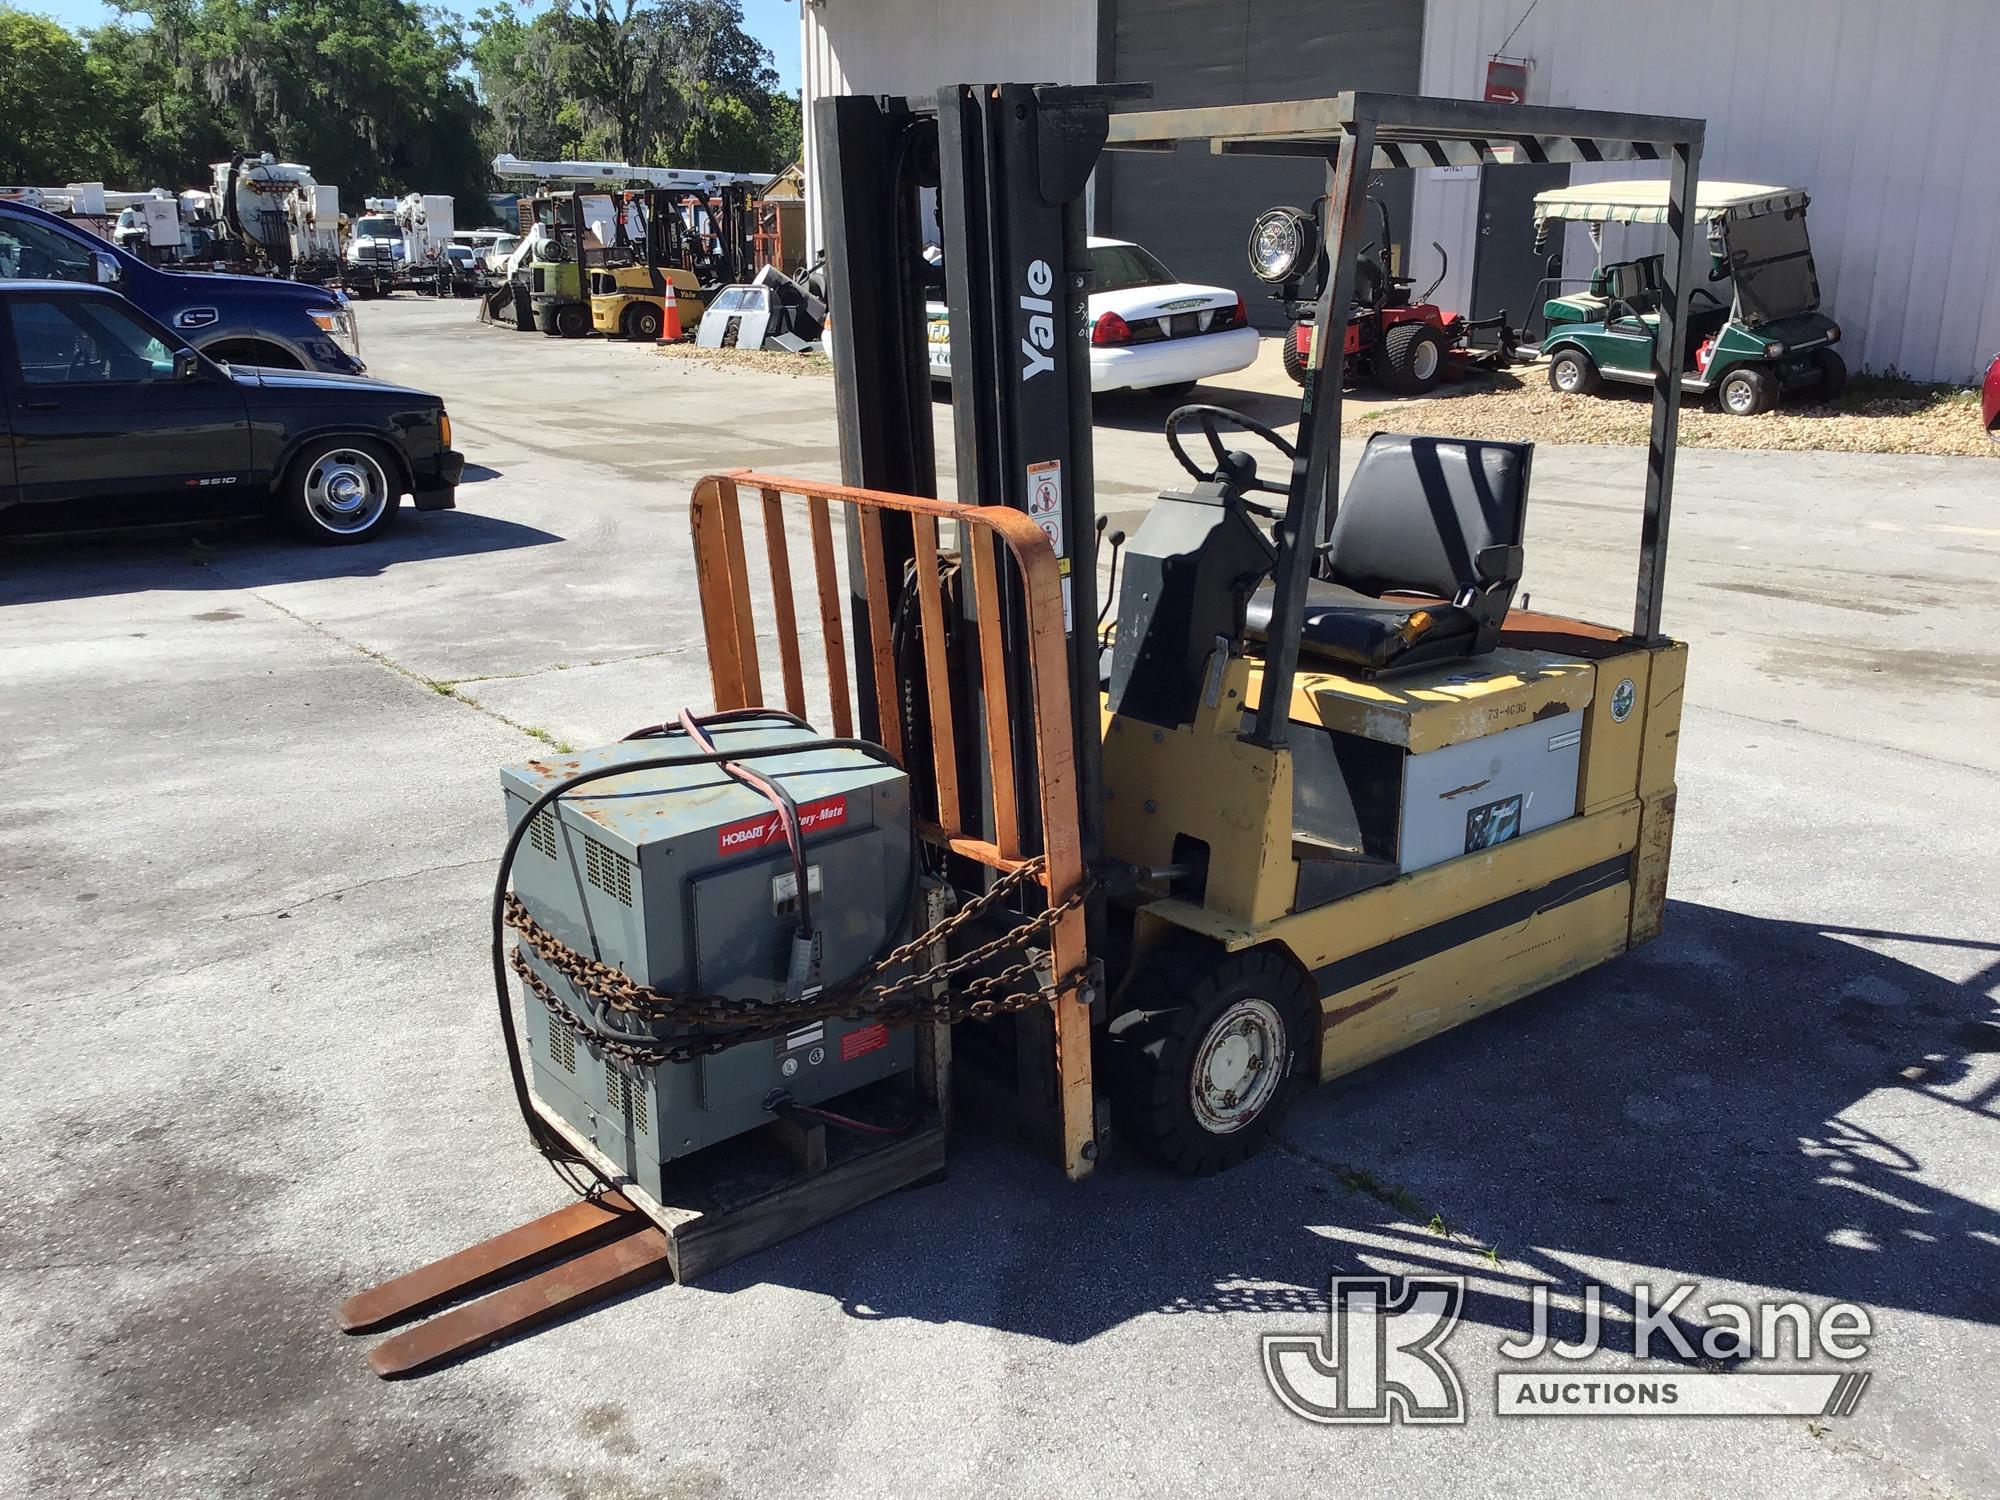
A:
{"x":1009,"y":165}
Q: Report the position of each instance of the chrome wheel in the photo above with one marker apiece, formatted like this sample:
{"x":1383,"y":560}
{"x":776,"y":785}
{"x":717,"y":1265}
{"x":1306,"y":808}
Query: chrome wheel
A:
{"x":1740,"y":398}
{"x":346,"y":491}
{"x":1569,"y":375}
{"x":1238,"y":1067}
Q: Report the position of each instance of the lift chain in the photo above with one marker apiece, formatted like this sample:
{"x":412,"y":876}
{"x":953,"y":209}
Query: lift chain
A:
{"x":912,"y":997}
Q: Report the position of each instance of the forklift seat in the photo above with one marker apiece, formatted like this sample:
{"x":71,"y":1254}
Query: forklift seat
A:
{"x":1439,"y":518}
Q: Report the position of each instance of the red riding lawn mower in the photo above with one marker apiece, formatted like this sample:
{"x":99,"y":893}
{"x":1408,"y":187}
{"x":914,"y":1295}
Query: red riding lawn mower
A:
{"x":1407,"y":344}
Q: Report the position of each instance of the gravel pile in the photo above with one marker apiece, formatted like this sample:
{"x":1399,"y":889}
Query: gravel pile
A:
{"x":760,"y":361}
{"x":1872,"y":416}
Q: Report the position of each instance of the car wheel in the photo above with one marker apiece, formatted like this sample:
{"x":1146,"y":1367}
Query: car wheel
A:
{"x":342,"y":490}
{"x":642,"y":323}
{"x":572,"y":320}
{"x":1746,"y":391}
{"x":1175,"y":391}
{"x":1832,"y":374}
{"x":1200,"y":1075}
{"x":1574,"y":373}
{"x":1410,"y":358}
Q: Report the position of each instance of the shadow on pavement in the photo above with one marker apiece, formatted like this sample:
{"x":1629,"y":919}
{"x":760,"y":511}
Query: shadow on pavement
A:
{"x":239,"y":554}
{"x":1700,"y":1110}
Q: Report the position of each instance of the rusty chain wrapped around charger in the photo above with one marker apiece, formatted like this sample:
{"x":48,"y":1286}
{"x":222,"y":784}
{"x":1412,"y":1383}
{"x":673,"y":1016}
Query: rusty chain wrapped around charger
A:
{"x":914,"y":996}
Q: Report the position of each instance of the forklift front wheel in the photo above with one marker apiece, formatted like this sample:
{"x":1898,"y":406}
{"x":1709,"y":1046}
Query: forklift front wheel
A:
{"x":1203,"y":1073}
{"x":1746,"y":391}
{"x":1573,"y":373}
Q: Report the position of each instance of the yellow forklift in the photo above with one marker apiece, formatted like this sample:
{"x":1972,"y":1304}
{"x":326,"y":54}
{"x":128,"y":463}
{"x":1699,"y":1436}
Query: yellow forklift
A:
{"x":628,"y":290}
{"x":1322,"y":790}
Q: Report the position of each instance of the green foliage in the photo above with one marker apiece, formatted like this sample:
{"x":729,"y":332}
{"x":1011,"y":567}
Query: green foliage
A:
{"x":48,"y":132}
{"x":385,"y":96}
{"x":656,"y":82}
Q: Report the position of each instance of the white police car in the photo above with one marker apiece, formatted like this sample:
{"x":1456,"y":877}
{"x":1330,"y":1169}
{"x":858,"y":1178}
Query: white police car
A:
{"x":1147,"y":330}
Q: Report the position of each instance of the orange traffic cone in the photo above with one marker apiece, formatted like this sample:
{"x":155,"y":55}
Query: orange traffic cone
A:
{"x":670,"y":316}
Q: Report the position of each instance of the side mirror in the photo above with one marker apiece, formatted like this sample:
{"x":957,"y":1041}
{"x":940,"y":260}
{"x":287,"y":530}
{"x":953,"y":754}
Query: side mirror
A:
{"x":187,"y":365}
{"x":109,"y":272}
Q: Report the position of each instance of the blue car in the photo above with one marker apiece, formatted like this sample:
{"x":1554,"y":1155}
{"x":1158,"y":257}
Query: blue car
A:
{"x":241,"y":320}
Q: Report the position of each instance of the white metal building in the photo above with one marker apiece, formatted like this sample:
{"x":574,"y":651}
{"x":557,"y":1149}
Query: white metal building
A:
{"x":1880,"y":110}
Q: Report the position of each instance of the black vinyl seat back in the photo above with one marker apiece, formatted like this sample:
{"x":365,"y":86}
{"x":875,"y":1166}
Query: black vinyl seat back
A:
{"x":1434,"y":516}
{"x":1421,"y":513}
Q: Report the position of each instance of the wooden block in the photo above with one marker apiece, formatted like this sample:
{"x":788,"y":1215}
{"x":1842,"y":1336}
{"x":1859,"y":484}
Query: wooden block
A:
{"x":804,"y":1144}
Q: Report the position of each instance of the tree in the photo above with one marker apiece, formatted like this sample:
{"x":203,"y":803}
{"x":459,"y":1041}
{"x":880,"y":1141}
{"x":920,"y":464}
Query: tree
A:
{"x":48,"y":117}
{"x":653,"y":82}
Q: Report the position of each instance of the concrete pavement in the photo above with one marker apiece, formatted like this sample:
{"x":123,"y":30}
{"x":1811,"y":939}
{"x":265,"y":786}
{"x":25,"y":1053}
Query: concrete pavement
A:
{"x":252,"y":1067}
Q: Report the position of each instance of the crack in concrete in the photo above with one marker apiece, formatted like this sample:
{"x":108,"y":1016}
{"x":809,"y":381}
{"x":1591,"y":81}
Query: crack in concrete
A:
{"x":389,"y":663}
{"x":336,"y":892}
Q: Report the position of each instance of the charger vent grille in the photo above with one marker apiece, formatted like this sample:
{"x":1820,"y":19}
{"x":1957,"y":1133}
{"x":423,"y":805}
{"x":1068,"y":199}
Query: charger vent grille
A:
{"x":542,"y":832}
{"x":608,"y":870}
{"x":623,"y":1096}
{"x":562,"y":1047}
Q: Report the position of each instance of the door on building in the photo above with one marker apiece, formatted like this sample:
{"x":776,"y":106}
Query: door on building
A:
{"x":1194,"y":211}
{"x":1505,"y":265}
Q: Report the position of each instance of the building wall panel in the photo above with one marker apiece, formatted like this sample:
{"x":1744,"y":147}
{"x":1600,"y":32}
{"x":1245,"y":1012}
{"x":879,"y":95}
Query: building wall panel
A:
{"x":1876,"y":109}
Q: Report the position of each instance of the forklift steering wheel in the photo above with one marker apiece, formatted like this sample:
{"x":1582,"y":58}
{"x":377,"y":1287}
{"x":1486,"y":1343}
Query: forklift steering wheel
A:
{"x":1207,"y":416}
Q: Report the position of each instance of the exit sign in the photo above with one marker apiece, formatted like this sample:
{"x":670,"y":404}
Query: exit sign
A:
{"x":1507,"y":80}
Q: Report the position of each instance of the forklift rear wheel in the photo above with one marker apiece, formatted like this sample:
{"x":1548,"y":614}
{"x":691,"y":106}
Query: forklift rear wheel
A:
{"x":1832,"y":374}
{"x":642,"y":323}
{"x":1746,"y":391}
{"x":572,"y":321}
{"x":1201,"y":1075}
{"x":1410,"y":358}
{"x":1573,"y":373}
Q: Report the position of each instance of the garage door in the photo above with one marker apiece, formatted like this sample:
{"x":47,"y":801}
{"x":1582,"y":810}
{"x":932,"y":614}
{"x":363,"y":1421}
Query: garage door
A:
{"x":1194,"y":211}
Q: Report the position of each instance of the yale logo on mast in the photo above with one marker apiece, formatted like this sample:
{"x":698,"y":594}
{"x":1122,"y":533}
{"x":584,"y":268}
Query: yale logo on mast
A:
{"x":1042,"y":325}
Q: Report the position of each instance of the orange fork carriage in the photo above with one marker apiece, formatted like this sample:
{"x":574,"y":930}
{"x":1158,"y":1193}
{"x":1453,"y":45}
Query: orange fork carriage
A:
{"x":596,"y":1248}
{"x":734,"y":671}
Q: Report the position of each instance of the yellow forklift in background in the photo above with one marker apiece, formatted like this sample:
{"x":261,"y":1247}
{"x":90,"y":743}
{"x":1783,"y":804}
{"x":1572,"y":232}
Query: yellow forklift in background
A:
{"x":656,"y":249}
{"x":1324,"y":790}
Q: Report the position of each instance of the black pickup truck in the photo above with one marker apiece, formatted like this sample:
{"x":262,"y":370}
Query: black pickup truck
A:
{"x":109,"y":414}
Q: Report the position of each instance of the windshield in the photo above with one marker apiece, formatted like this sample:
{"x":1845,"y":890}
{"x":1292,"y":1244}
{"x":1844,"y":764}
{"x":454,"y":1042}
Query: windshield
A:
{"x":376,"y":228}
{"x":29,"y":248}
{"x":1117,"y":268}
{"x":1773,"y":265}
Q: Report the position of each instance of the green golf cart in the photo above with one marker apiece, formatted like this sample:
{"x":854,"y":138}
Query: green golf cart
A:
{"x":1748,"y":343}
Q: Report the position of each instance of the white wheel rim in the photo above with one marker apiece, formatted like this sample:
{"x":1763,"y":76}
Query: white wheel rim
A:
{"x":1738,"y":397}
{"x":1569,"y":374}
{"x":346,"y":491}
{"x":1424,"y":363}
{"x":1238,"y":1067}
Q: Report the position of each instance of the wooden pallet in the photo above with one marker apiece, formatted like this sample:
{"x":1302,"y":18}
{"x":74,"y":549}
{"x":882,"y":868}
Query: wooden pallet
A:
{"x":719,"y":1205}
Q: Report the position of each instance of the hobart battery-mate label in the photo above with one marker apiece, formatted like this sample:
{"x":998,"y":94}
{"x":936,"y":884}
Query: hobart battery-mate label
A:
{"x":755,"y":833}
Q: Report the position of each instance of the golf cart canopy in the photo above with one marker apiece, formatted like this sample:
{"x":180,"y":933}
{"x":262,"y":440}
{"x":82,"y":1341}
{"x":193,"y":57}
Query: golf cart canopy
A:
{"x":1646,"y":202}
